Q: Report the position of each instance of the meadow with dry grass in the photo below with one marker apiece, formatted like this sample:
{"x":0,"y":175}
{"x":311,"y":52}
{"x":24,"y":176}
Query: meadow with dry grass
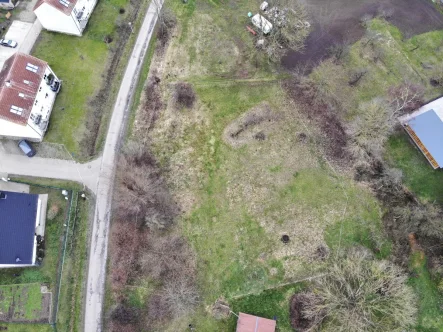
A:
{"x":256,"y":164}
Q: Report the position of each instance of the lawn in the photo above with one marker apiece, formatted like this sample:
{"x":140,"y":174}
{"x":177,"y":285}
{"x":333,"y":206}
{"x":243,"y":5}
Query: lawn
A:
{"x":69,"y":316}
{"x":82,"y":64}
{"x":28,"y":327}
{"x":431,"y":299}
{"x":418,"y":174}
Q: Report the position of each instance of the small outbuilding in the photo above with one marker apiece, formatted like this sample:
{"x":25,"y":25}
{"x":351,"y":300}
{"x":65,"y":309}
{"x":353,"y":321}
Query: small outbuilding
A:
{"x":250,"y":323}
{"x":425,"y":127}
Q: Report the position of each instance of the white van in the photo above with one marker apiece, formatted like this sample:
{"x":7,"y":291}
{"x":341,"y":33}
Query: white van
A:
{"x":262,"y":23}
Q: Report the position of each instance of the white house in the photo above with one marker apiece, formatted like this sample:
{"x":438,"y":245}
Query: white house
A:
{"x":28,"y":88}
{"x":66,"y":16}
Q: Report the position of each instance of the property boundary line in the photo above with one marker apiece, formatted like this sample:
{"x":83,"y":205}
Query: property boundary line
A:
{"x":55,"y":299}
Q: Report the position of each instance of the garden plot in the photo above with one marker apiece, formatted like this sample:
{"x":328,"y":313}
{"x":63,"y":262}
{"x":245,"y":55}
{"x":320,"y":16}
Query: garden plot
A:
{"x":25,"y":303}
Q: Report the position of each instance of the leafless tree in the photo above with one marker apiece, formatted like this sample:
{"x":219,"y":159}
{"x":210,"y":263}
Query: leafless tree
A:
{"x":289,"y":31}
{"x":142,"y":194}
{"x":180,"y":295}
{"x":359,"y":293}
{"x":164,"y":256}
{"x":405,"y":98}
{"x":370,"y":130}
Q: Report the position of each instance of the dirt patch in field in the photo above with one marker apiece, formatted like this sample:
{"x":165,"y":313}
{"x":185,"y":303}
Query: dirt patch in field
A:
{"x":339,"y":21}
{"x":254,"y":125}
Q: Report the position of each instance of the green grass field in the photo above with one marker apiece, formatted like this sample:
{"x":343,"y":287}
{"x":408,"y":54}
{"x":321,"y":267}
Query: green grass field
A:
{"x":238,"y":201}
{"x":81,"y":62}
{"x":418,"y":174}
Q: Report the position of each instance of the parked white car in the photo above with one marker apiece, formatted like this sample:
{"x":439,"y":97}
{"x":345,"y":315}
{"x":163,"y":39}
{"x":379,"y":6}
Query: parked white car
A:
{"x":8,"y":43}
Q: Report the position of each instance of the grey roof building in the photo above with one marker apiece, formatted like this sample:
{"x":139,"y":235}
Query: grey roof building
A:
{"x":19,"y":217}
{"x":425,"y":127}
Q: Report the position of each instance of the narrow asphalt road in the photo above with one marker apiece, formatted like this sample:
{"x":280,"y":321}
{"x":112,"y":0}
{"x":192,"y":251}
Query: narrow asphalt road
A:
{"x":99,"y":242}
{"x":51,"y":168}
{"x":97,"y":175}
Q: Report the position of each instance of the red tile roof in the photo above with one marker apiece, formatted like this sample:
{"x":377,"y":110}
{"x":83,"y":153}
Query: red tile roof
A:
{"x":19,"y":86}
{"x":250,"y":323}
{"x":57,"y":5}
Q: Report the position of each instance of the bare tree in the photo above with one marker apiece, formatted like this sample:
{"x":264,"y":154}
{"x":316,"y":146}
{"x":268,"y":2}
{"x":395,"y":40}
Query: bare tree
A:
{"x":370,"y":130}
{"x":142,"y":194}
{"x":164,"y":256}
{"x":405,"y":97}
{"x":289,"y":31}
{"x":180,"y":295}
{"x":359,"y":293}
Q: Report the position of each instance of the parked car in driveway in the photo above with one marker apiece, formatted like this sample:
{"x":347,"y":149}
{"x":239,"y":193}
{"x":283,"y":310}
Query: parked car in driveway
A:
{"x":8,"y":43}
{"x":27,"y":148}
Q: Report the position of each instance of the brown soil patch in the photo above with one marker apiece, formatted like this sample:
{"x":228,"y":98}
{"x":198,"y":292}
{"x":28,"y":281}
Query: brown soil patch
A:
{"x":338,"y":21}
{"x":253,"y":125}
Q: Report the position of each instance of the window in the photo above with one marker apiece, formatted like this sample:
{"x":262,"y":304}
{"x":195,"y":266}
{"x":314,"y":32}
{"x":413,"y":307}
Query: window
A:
{"x":16,"y":110}
{"x":27,"y":82}
{"x":31,"y":67}
{"x":21,"y":95}
{"x":64,"y":3}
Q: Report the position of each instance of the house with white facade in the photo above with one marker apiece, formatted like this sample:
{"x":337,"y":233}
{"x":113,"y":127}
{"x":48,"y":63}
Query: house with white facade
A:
{"x":66,"y":16}
{"x":28,"y":88}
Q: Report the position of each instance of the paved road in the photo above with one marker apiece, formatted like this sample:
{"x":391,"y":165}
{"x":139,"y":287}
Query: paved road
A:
{"x":51,"y":168}
{"x":99,"y":243}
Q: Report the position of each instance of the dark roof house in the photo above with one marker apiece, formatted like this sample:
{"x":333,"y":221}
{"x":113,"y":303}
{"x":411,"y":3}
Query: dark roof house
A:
{"x":19,"y":217}
{"x":425,"y":127}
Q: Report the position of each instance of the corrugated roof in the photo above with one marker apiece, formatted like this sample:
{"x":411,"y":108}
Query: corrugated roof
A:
{"x":19,"y":86}
{"x":428,"y":127}
{"x":250,"y":323}
{"x":18,"y":213}
{"x":58,"y":5}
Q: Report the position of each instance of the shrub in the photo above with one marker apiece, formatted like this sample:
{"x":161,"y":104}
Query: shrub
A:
{"x":53,"y":212}
{"x":180,"y":296}
{"x":124,"y":314}
{"x":360,"y":293}
{"x":184,"y":95}
{"x":167,"y":22}
{"x":142,"y":194}
{"x":165,"y":256}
